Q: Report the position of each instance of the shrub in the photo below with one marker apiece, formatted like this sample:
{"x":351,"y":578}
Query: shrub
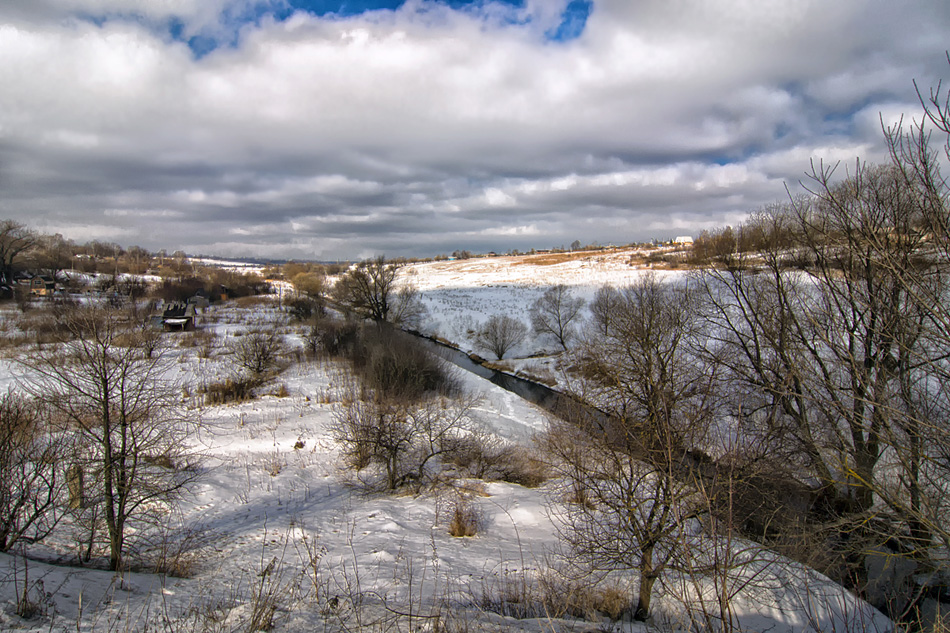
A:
{"x":393,"y":364}
{"x":519,"y":466}
{"x":259,"y":351}
{"x":304,"y":308}
{"x":479,"y":454}
{"x":333,"y":337}
{"x":467,"y":519}
{"x":388,"y":362}
{"x":235,"y":389}
{"x":406,"y":440}
{"x":204,"y":340}
{"x":487,"y":457}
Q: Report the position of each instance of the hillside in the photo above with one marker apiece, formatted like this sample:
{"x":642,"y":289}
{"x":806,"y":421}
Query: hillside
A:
{"x":277,"y":533}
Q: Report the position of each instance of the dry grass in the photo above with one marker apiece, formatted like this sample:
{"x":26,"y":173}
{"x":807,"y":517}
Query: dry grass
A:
{"x":550,"y":259}
{"x":255,"y":300}
{"x":578,"y":495}
{"x":229,"y":390}
{"x":549,"y":594}
{"x":179,"y":553}
{"x":466,"y":518}
{"x":538,"y":372}
{"x":498,"y":365}
{"x":520,"y":466}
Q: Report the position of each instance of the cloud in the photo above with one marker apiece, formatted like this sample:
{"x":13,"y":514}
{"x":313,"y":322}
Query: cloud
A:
{"x":428,"y":128}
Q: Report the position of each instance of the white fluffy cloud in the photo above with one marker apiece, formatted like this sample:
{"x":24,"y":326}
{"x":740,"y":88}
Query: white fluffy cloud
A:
{"x":426,"y":129}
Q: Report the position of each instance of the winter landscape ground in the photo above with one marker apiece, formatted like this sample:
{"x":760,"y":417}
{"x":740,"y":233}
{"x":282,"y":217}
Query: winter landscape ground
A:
{"x":274,"y":533}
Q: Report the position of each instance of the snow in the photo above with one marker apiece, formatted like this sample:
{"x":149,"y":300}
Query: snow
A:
{"x":460,"y":296}
{"x":273,"y":514}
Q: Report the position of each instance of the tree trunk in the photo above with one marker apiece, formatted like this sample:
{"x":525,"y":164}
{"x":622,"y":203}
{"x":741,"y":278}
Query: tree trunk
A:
{"x":647,"y":578}
{"x":108,"y":472}
{"x":74,"y":481}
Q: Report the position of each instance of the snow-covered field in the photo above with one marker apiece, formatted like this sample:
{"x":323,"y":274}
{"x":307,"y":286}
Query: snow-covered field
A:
{"x":460,"y":296}
{"x":273,"y":520}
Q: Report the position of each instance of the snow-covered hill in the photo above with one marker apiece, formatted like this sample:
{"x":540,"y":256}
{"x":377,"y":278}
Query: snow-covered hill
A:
{"x":274,"y":533}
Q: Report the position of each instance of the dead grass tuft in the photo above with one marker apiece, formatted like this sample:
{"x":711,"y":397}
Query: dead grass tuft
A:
{"x":467,"y":519}
{"x":238,"y":389}
{"x":548,"y":594}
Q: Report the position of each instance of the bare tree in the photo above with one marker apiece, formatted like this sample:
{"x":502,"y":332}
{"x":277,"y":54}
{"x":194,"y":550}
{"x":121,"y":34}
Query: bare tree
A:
{"x":30,"y":481}
{"x":15,"y":239}
{"x":602,"y":307}
{"x":403,"y":437}
{"x":117,"y":402}
{"x":555,"y":313}
{"x":645,"y":366}
{"x":53,"y":254}
{"x":628,"y":468}
{"x":838,"y":366}
{"x":369,"y":288}
{"x":624,"y":510}
{"x":500,"y":334}
{"x":924,"y":375}
{"x":407,"y":311}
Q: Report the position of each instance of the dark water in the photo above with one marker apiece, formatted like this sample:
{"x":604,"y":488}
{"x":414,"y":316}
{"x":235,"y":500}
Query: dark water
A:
{"x":538,"y":394}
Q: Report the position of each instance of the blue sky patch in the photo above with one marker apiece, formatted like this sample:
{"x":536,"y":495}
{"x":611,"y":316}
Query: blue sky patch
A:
{"x":573,"y":21}
{"x":573,"y":18}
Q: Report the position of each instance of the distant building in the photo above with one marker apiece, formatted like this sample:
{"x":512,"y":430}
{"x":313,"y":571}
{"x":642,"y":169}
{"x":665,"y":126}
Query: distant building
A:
{"x":178,"y":317}
{"x":683,"y":239}
{"x":42,"y":286}
{"x":37,"y":285}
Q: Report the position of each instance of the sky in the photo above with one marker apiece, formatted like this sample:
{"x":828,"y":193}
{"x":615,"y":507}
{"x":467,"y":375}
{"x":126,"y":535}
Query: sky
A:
{"x":343,"y":129}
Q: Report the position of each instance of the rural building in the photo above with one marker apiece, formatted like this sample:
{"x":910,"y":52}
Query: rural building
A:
{"x":178,"y":317}
{"x":38,"y":285}
{"x":42,"y":286}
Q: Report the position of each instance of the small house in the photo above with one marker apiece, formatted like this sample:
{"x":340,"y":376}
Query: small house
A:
{"x":36,"y":285}
{"x":179,"y":317}
{"x":42,"y":286}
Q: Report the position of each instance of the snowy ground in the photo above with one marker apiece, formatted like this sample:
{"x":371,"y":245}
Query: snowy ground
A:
{"x":274,"y":519}
{"x":462,"y":295}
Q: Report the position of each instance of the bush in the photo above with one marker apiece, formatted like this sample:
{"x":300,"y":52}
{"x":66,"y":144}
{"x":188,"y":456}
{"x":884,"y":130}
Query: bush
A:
{"x":259,"y":351}
{"x":390,"y":362}
{"x":487,"y":457}
{"x":387,"y":361}
{"x":467,"y":519}
{"x":235,"y":389}
{"x":406,"y":441}
{"x":304,"y":308}
{"x":204,"y":340}
{"x":519,"y":466}
{"x":334,"y":338}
